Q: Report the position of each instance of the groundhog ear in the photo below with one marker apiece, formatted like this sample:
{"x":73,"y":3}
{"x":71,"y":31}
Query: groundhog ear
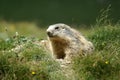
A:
{"x":63,"y":27}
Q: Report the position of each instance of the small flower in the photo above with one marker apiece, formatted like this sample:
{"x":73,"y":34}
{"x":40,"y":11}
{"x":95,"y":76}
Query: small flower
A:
{"x":106,"y":62}
{"x":33,"y":73}
{"x":16,"y":34}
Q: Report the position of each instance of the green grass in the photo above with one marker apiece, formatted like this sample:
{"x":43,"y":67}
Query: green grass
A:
{"x":104,"y":63}
{"x":34,"y":63}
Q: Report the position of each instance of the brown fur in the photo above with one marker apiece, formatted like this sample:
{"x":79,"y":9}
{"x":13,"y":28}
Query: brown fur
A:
{"x":66,"y":42}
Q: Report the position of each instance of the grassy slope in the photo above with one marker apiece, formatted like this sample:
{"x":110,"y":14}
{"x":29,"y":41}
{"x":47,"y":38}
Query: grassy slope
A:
{"x":33,"y":63}
{"x":103,"y":64}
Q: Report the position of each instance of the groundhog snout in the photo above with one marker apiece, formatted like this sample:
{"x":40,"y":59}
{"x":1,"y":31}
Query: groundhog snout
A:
{"x":50,"y":34}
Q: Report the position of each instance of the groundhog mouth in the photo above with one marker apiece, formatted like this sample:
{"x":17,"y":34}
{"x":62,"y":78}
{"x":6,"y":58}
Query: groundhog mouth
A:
{"x":50,"y":34}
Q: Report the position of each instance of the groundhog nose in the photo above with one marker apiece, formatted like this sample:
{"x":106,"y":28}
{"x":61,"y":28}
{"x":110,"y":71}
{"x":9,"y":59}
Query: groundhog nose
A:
{"x":49,"y":34}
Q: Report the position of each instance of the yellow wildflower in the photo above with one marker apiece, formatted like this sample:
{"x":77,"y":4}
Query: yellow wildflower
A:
{"x":33,"y":72}
{"x":106,"y":62}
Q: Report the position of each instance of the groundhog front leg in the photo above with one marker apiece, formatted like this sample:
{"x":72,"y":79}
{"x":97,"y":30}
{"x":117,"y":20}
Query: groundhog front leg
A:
{"x":68,"y":58}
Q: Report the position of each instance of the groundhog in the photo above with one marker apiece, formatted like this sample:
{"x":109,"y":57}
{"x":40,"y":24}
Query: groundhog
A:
{"x":66,"y":42}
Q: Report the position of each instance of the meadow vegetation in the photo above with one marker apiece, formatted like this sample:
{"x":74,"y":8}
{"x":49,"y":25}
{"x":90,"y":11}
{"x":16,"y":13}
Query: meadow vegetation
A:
{"x":103,"y":64}
{"x":33,"y":63}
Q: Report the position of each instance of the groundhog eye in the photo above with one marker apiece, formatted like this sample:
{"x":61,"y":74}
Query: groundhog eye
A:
{"x":56,"y":27}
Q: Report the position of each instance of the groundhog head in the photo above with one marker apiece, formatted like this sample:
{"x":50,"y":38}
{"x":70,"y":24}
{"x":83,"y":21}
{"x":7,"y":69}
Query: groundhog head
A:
{"x":59,"y":30}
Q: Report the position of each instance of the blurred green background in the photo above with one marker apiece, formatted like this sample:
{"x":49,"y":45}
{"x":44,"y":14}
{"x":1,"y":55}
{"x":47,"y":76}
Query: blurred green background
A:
{"x":47,"y":12}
